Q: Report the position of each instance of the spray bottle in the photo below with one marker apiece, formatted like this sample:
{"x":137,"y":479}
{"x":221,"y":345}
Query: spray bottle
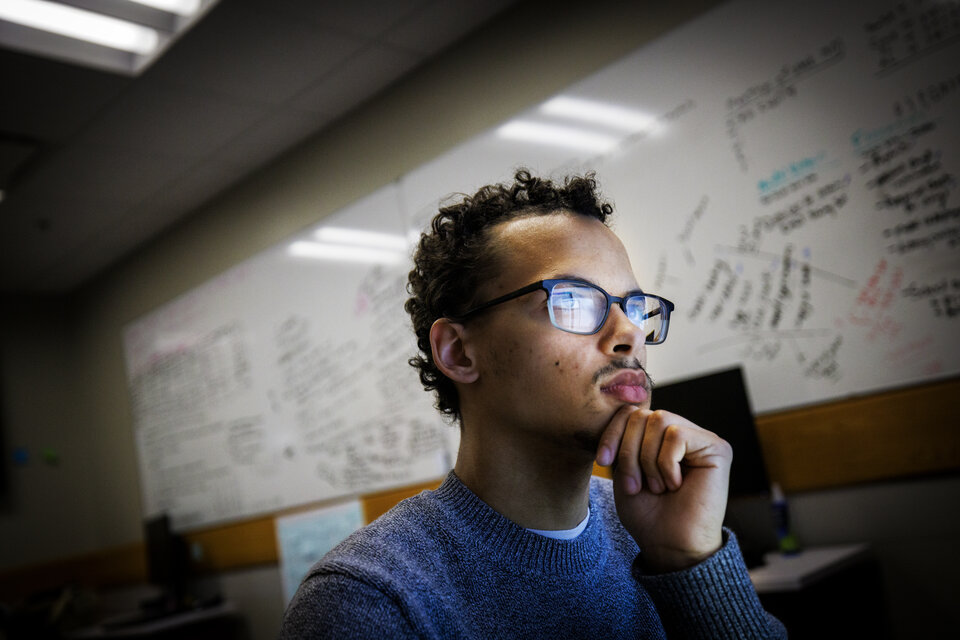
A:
{"x":786,"y":541}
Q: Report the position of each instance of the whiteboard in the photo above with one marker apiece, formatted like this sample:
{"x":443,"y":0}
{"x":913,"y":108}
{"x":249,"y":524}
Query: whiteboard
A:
{"x":790,"y":183}
{"x":284,"y":381}
{"x":794,"y":191}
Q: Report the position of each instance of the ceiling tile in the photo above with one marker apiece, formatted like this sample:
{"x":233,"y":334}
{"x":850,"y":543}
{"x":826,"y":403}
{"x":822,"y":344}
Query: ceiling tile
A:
{"x":253,"y":57}
{"x":162,"y":120}
{"x":190,"y":189}
{"x":274,"y":134}
{"x":98,"y":173}
{"x":441,"y":22}
{"x":50,"y":100}
{"x":365,"y":74}
{"x":365,"y":18}
{"x":136,"y":225}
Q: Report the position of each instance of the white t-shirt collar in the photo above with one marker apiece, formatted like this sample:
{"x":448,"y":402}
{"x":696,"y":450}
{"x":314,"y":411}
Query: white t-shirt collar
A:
{"x":564,"y":534}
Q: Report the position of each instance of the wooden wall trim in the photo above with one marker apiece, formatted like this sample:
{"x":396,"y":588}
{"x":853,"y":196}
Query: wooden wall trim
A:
{"x":884,"y":436}
{"x":907,"y":432}
{"x":377,"y":504}
{"x":241,"y":544}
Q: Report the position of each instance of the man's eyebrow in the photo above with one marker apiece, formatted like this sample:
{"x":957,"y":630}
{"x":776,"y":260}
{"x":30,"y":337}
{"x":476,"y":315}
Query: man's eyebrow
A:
{"x":572,"y":276}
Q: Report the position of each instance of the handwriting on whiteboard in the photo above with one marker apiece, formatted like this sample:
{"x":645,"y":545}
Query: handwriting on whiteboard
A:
{"x":911,"y":30}
{"x":766,"y":96}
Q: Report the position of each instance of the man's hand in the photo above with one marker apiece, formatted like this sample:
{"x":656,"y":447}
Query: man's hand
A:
{"x":670,"y":485}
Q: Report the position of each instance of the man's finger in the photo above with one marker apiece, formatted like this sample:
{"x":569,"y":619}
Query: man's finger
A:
{"x":650,"y":448}
{"x":672,"y":452}
{"x":628,"y":458}
{"x":612,"y":435}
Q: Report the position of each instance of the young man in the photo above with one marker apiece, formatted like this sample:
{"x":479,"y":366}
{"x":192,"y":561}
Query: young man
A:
{"x":533,"y":334}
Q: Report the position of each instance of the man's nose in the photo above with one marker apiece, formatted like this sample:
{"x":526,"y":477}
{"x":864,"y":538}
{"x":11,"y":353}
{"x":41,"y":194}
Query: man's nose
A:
{"x":620,"y":335}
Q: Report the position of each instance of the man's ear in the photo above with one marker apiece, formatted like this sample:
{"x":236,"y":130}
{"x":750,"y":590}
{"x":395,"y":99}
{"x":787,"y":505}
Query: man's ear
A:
{"x":450,"y":353}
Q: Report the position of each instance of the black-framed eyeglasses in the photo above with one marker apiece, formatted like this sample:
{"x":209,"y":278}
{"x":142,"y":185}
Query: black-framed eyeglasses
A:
{"x":582,"y":307}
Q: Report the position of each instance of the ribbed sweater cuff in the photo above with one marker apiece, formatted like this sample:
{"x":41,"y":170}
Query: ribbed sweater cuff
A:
{"x":712,"y":599}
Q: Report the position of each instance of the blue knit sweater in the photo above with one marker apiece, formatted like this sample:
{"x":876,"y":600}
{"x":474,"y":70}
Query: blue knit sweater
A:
{"x":444,"y":564}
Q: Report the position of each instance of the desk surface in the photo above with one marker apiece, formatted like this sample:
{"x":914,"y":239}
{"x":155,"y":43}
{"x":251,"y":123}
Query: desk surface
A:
{"x":793,"y":572}
{"x":111,"y":629}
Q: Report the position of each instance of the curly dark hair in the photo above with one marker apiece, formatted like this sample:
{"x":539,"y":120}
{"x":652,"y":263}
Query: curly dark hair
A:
{"x":454,"y":257}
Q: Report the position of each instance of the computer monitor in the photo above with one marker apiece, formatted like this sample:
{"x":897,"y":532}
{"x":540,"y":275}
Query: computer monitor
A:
{"x":168,"y":564}
{"x":719,"y":402}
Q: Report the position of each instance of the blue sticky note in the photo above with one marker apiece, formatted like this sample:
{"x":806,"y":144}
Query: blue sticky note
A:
{"x":21,"y":456}
{"x":304,"y":538}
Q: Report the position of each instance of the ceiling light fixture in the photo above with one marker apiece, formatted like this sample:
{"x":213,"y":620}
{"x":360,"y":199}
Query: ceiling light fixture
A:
{"x":184,"y":8}
{"x":119,"y":36}
{"x":81,"y":25}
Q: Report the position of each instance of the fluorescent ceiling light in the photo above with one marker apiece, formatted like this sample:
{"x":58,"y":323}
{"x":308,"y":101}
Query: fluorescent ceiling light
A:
{"x":179,"y":7}
{"x":556,"y":135}
{"x":598,"y":113}
{"x":81,"y":25}
{"x":357,"y":237}
{"x":345,"y":253}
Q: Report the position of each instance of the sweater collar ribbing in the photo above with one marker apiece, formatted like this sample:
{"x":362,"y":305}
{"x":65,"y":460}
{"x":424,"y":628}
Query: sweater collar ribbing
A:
{"x":514,"y":545}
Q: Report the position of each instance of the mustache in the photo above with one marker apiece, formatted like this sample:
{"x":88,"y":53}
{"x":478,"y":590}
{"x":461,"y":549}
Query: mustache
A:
{"x":623,"y":363}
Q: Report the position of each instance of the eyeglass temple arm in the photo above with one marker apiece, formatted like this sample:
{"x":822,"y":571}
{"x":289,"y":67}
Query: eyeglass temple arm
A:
{"x":486,"y":305}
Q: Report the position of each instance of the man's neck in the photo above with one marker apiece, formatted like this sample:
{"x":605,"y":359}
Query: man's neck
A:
{"x":531,"y":484}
